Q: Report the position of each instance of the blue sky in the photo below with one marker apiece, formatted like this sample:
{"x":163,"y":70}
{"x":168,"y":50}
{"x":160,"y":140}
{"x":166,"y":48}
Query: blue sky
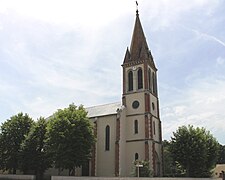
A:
{"x":55,"y":52}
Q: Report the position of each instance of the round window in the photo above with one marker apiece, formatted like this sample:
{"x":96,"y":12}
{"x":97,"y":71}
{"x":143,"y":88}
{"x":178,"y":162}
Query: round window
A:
{"x":135,"y":104}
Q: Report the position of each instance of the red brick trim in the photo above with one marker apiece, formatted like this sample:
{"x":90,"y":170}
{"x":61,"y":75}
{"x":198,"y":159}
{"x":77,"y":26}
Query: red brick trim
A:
{"x":160,"y":131}
{"x":124,"y":80}
{"x":147,"y":102}
{"x":146,"y":127}
{"x":153,"y":158}
{"x":93,"y":159}
{"x":156,"y":84}
{"x":145,"y":76}
{"x":146,"y":137}
{"x":158,"y":107}
{"x":117,"y":159}
{"x":117,"y":147}
{"x":146,"y":151}
{"x":151,"y":128}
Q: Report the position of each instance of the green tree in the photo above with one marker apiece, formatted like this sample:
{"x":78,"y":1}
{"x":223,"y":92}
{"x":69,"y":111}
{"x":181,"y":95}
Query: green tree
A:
{"x":33,"y":156}
{"x":2,"y":154}
{"x":195,"y":149}
{"x":71,"y":138}
{"x":144,"y":170}
{"x":221,"y":159}
{"x":171,"y":168}
{"x":167,"y":160}
{"x":13,"y":133}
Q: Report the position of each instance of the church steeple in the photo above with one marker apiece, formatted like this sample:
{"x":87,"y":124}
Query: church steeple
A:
{"x":140,"y":100}
{"x":139,"y":50}
{"x":142,"y":132}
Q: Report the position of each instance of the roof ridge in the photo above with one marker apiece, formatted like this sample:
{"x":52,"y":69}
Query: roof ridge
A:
{"x":103,"y":104}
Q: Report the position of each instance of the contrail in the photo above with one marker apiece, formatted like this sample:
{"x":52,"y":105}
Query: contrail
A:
{"x":206,"y":35}
{"x":216,"y":39}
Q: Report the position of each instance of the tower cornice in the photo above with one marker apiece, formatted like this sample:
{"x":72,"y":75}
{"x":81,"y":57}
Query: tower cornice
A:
{"x":137,"y":62}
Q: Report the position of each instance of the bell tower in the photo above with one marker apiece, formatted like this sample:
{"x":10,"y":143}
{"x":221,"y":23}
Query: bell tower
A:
{"x":140,"y":97}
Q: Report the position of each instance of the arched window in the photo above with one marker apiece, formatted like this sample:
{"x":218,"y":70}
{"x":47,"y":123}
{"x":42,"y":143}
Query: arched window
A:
{"x":130,"y":81}
{"x":153,"y":83}
{"x":107,"y":137}
{"x":154,"y":127}
{"x":136,"y":156}
{"x":136,"y":126}
{"x":140,"y":79}
{"x":149,"y":79}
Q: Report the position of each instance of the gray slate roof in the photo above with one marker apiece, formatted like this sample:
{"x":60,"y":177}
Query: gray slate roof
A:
{"x":103,"y":110}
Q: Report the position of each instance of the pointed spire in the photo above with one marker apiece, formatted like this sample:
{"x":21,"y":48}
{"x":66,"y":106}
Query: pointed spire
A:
{"x":138,"y":39}
{"x":143,"y":52}
{"x":127,"y":56}
{"x":139,"y":50}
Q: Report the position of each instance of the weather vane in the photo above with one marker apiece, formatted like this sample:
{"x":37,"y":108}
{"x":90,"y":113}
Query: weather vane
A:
{"x":137,"y":7}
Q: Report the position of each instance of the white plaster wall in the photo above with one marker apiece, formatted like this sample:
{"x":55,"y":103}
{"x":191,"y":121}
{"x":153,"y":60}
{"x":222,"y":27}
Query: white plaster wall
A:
{"x":130,"y":135}
{"x":153,"y":99}
{"x":106,"y":159}
{"x":130,"y":98}
{"x":156,"y":135}
{"x":122,"y":143}
{"x":132,"y":148}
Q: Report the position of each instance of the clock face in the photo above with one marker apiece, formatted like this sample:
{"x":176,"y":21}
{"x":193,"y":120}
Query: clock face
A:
{"x":135,"y":104}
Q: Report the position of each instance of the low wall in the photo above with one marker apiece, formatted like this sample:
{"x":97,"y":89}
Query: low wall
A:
{"x":17,"y":177}
{"x":125,"y":178}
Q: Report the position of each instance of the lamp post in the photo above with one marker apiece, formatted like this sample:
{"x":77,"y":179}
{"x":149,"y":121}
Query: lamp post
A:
{"x":138,"y":166}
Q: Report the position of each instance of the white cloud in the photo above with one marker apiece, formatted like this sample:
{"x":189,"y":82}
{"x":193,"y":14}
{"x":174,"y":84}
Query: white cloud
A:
{"x":57,"y":66}
{"x":98,"y":13}
{"x":220,"y":61}
{"x":167,"y":14}
{"x":207,"y":36}
{"x":87,"y":13}
{"x":203,"y":105}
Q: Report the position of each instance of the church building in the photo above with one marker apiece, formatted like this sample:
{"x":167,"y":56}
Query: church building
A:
{"x":130,"y":130}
